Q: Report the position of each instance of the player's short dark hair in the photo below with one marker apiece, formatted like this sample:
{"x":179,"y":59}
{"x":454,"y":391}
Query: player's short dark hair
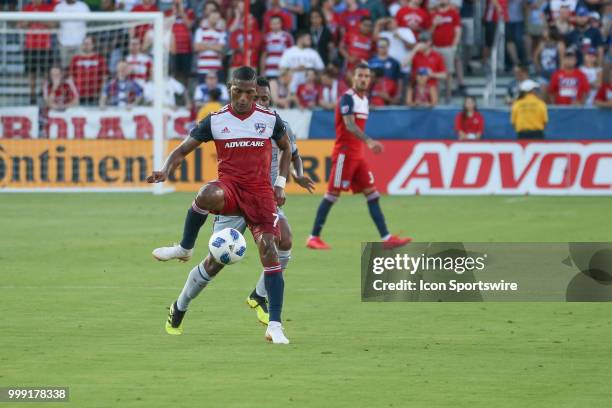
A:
{"x":361,"y":65}
{"x":263,"y":82}
{"x":244,"y":73}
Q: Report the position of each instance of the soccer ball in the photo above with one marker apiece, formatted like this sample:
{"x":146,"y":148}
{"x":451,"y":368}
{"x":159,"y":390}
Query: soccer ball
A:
{"x":227,"y":246}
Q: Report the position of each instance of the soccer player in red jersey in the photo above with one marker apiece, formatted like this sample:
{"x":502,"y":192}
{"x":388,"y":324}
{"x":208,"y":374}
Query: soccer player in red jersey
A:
{"x":349,"y":169}
{"x":242,"y":132}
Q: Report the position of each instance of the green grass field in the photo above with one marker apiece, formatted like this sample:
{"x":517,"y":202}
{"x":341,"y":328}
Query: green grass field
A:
{"x":84,"y":303}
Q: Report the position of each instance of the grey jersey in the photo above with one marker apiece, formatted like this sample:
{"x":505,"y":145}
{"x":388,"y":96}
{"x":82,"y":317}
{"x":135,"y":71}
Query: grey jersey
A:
{"x":276,"y":151}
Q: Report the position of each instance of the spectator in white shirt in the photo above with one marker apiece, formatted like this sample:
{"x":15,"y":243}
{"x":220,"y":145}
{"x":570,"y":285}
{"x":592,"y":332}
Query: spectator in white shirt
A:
{"x":71,"y":33}
{"x":299,"y":58}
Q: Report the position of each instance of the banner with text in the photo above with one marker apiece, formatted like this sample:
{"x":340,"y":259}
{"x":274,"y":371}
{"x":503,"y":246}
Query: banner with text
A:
{"x":404,"y":168}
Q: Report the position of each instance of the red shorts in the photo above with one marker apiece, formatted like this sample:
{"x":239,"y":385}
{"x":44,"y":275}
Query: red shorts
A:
{"x":349,"y":174}
{"x":256,"y":204}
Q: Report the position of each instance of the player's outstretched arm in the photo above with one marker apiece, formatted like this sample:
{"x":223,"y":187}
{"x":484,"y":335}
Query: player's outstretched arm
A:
{"x":283,"y":168}
{"x":351,"y":126}
{"x":174,"y":160}
{"x":298,"y":173}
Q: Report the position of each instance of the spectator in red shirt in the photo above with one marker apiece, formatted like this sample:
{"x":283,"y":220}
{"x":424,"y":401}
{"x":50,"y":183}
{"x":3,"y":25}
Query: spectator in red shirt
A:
{"x":495,"y":11}
{"x":38,"y":55}
{"x":603,"y":98}
{"x":275,"y":10}
{"x":59,"y":93}
{"x":236,"y":44}
{"x":181,"y":49}
{"x":351,"y":18}
{"x":421,"y":92}
{"x":308,"y":93}
{"x":142,"y":31}
{"x":446,"y":35}
{"x":275,"y":42}
{"x":358,"y":46}
{"x":469,"y":123}
{"x":384,"y":90}
{"x":414,"y":17}
{"x":141,"y":64}
{"x":423,"y":56}
{"x":88,"y":70}
{"x":569,"y":85}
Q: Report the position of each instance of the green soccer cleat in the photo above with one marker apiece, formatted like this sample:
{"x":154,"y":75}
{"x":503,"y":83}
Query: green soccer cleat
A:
{"x":260,"y":304}
{"x":174,"y":324}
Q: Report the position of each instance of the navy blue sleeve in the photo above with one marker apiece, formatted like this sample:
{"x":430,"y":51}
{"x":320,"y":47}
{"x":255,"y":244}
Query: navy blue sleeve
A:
{"x":347,"y":104}
{"x":203,"y":130}
{"x":279,"y":128}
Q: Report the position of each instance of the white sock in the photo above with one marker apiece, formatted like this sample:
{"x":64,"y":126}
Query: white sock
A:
{"x":197,"y":280}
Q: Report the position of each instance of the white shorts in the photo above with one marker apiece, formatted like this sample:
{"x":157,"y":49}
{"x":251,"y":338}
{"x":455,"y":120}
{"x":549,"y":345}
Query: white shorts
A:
{"x":236,"y":222}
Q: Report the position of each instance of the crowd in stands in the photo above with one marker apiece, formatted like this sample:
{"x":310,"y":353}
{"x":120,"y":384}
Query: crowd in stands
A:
{"x":419,"y":51}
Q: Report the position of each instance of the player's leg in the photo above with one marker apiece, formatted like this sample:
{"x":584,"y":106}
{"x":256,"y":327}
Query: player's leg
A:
{"x":267,"y":243}
{"x":194,"y":220}
{"x":339,"y":176}
{"x":199,"y":277}
{"x":363,"y":181}
{"x":257,"y":299}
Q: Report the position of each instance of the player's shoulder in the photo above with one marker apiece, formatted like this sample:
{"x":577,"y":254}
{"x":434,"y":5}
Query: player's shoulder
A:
{"x":224,"y":109}
{"x":266,"y":111}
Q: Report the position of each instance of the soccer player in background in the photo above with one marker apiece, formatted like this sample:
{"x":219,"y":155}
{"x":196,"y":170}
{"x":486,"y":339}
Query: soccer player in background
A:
{"x":242,"y":132}
{"x":349,"y":169}
{"x":258,"y":298}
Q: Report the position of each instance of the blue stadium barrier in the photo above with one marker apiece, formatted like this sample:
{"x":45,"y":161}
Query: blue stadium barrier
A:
{"x":438,"y":123}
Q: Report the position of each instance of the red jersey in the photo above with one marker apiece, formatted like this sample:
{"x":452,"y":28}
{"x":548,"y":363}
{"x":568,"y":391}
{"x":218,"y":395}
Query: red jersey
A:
{"x":490,"y":13}
{"x":141,"y":30}
{"x":286,"y":17}
{"x":604,"y":94}
{"x":417,"y":19}
{"x":141,"y":66}
{"x":421,"y":95}
{"x":63,"y":94}
{"x":469,"y":124}
{"x":447,"y":22}
{"x":274,"y":46}
{"x":244,"y":148}
{"x":308,"y":95}
{"x":37,"y":41}
{"x":182,"y":37}
{"x":350,"y":19}
{"x":88,"y":73}
{"x":236,"y":43}
{"x":433,"y":61}
{"x":567,"y":87}
{"x":351,"y":103}
{"x":382,"y":85}
{"x":359,"y":45}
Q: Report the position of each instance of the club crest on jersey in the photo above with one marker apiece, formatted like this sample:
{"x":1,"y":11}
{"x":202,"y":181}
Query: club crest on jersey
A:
{"x":345,"y":109}
{"x":260,"y":127}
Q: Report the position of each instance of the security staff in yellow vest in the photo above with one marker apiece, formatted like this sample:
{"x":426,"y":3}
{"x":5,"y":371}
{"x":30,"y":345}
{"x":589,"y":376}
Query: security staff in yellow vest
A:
{"x":529,"y":113}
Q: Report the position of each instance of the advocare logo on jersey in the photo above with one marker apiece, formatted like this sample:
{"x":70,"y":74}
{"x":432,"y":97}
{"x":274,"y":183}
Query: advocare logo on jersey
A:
{"x":245,"y":143}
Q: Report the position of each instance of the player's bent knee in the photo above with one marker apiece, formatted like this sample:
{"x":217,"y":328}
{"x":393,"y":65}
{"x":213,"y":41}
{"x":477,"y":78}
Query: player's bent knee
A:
{"x":210,"y":197}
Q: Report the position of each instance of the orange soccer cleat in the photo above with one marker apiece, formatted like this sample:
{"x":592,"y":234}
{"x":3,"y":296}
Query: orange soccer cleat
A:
{"x":395,"y":242}
{"x":316,"y":243}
